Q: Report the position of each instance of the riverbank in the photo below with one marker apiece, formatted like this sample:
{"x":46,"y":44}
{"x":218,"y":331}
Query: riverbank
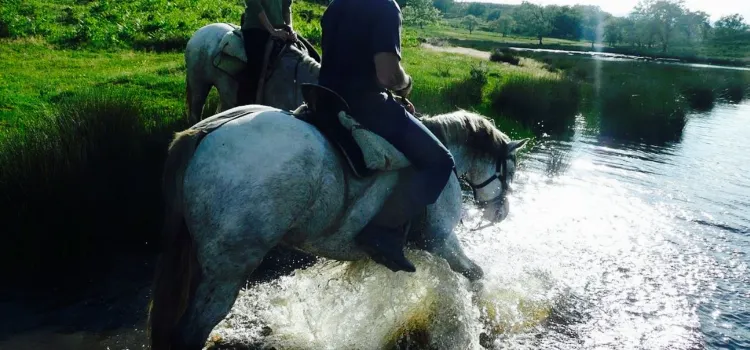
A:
{"x":485,"y":41}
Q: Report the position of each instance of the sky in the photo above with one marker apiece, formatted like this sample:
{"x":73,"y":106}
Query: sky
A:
{"x":715,"y":8}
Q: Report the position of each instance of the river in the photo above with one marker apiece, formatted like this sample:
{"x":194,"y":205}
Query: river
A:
{"x":607,"y":246}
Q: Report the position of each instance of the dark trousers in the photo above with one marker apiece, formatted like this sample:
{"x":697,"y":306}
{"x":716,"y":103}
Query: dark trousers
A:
{"x":255,"y":46}
{"x":432,"y":162}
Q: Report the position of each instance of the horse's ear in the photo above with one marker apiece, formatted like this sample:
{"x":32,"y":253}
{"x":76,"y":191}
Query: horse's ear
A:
{"x":514,"y":146}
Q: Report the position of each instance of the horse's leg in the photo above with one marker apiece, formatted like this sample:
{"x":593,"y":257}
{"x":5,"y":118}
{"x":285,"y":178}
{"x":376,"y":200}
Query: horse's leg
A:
{"x":227,"y":87}
{"x":437,"y":237}
{"x":197,"y":92}
{"x":222,"y":276}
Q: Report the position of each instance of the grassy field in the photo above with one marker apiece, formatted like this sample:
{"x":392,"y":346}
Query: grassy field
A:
{"x":92,"y":92}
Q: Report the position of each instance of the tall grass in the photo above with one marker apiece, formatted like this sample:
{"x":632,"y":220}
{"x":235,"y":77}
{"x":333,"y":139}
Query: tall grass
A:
{"x":545,"y":103}
{"x":640,"y":109}
{"x":643,"y":100}
{"x":82,"y":180}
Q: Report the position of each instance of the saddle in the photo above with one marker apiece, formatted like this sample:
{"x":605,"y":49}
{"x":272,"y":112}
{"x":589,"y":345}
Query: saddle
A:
{"x":365,"y":151}
{"x":232,"y":58}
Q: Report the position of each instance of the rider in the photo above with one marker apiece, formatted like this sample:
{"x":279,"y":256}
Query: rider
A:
{"x":262,"y":19}
{"x":361,"y":44}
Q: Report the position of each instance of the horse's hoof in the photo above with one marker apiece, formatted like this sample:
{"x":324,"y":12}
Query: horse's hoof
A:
{"x":474,"y":274}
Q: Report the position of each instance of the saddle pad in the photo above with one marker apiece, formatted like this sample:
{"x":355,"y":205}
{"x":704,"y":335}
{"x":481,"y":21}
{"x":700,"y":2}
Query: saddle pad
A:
{"x":378,"y":153}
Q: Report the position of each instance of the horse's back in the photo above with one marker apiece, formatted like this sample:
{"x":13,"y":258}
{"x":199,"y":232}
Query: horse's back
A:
{"x":265,"y":167}
{"x":205,"y":41}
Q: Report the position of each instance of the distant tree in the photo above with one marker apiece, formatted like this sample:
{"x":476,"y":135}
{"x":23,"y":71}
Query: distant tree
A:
{"x":504,"y":25}
{"x":494,"y":15}
{"x":733,"y":22}
{"x":420,"y":13}
{"x":534,"y":20}
{"x":694,"y":26}
{"x":614,"y":30}
{"x":470,"y":22}
{"x":592,"y":23}
{"x":443,"y":5}
{"x":566,"y":22}
{"x":476,"y":9}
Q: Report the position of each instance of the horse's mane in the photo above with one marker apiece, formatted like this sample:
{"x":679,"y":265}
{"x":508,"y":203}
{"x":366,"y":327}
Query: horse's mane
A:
{"x":475,"y":131}
{"x":305,"y":61}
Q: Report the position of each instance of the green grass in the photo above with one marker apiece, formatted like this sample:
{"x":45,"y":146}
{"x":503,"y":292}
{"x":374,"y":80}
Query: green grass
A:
{"x":85,"y":120}
{"x":160,"y":25}
{"x":548,"y":104}
{"x":81,"y":179}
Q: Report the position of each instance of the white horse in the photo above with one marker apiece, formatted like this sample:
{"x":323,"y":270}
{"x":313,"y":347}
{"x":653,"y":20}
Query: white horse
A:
{"x":214,"y":57}
{"x":268,"y":178}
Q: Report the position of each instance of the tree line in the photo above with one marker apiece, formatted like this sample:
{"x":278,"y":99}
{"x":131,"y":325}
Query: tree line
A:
{"x":651,"y":24}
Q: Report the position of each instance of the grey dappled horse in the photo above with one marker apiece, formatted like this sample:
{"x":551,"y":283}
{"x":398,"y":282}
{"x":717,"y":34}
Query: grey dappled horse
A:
{"x":281,"y":90}
{"x":268,"y":178}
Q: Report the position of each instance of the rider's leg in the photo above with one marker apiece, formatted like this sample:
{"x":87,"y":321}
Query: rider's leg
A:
{"x":432,"y":164}
{"x":255,"y":43}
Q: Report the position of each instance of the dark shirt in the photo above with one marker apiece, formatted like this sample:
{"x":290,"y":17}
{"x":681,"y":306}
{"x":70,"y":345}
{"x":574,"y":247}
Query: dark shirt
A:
{"x":353,"y":32}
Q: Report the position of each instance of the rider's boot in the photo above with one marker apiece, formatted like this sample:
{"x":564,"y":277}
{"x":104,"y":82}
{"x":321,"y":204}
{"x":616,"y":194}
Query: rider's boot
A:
{"x":384,"y":237}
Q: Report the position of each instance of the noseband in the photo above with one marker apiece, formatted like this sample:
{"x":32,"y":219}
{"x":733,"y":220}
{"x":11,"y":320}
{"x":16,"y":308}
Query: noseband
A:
{"x":501,"y":173}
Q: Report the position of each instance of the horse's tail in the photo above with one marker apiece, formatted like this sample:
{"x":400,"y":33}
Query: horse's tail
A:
{"x":177,"y":270}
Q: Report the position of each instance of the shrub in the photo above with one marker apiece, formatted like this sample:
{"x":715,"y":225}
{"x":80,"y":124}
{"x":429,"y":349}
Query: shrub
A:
{"x":504,"y":55}
{"x":700,"y":98}
{"x":467,"y":92}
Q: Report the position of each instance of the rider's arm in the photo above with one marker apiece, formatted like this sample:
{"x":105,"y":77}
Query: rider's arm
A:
{"x":286,"y":10}
{"x":387,"y":47}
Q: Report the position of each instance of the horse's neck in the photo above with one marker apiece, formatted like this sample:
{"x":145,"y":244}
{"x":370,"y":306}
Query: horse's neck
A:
{"x":461,"y":157}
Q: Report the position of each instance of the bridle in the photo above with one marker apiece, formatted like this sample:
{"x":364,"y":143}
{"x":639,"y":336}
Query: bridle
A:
{"x":501,"y":173}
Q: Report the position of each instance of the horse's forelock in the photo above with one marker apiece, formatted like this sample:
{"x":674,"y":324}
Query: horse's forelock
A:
{"x":475,"y":131}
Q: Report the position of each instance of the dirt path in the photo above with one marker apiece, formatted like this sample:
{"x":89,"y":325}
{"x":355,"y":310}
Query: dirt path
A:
{"x":461,"y":50}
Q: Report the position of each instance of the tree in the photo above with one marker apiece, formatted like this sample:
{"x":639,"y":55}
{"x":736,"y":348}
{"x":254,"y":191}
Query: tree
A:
{"x":476,"y":9}
{"x":444,"y":6}
{"x":733,"y":22}
{"x":534,"y":20}
{"x":504,"y":24}
{"x":494,"y":15}
{"x":420,"y":12}
{"x":694,"y":25}
{"x":592,"y":23}
{"x":470,"y":22}
{"x":566,"y":22}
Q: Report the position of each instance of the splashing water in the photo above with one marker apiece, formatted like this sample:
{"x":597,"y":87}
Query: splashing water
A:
{"x":582,"y":265}
{"x":605,"y":247}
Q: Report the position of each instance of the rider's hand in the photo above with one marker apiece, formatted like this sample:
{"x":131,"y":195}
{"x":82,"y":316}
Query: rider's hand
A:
{"x":405,"y":92}
{"x":408,"y":105}
{"x":280,"y":34}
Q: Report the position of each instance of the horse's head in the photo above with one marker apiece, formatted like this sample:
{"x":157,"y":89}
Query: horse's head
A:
{"x":490,"y":177}
{"x":292,"y":67}
{"x":487,"y":157}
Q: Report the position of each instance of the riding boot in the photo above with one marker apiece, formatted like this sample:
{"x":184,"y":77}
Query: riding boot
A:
{"x":384,"y":237}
